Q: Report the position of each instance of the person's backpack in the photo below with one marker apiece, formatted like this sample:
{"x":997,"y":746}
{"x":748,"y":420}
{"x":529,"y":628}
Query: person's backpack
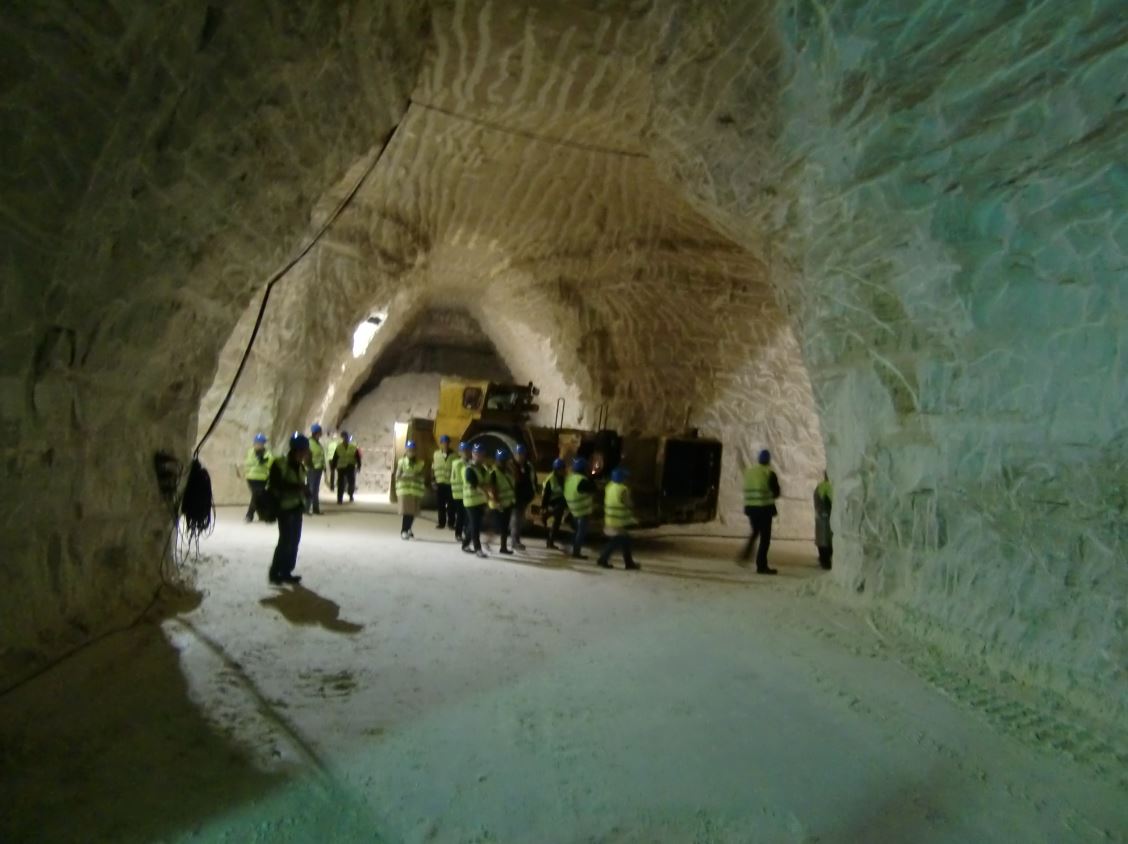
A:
{"x":266,"y":505}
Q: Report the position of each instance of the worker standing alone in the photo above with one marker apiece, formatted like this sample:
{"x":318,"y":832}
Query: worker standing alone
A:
{"x":474,"y":483}
{"x":408,"y":479}
{"x":552,"y":502}
{"x":346,"y":461}
{"x":761,"y":489}
{"x":578,"y":495}
{"x":457,"y":465}
{"x":502,"y":496}
{"x":287,"y":482}
{"x":256,"y":469}
{"x":316,"y":469}
{"x":618,"y":518}
{"x":441,"y":462}
{"x":824,"y":536}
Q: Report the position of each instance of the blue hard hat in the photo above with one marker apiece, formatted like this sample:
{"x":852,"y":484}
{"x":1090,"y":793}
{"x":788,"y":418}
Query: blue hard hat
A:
{"x":501,"y":454}
{"x":464,"y":446}
{"x":409,"y":445}
{"x":479,"y":448}
{"x":619,"y":475}
{"x":444,"y":439}
{"x":298,"y":440}
{"x":315,"y":428}
{"x":579,"y":465}
{"x":558,"y":463}
{"x":260,"y":438}
{"x":765,"y":457}
{"x":520,"y":449}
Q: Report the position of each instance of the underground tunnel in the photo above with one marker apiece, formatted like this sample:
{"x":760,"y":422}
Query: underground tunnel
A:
{"x":883,"y":242}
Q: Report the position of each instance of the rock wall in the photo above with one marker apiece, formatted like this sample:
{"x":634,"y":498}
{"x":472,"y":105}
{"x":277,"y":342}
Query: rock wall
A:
{"x":161,"y":160}
{"x":944,"y":191}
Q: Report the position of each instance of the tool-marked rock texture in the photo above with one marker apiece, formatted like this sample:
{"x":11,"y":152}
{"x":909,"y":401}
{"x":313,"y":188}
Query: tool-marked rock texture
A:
{"x":703,"y":213}
{"x":942,"y":192}
{"x":159,"y":161}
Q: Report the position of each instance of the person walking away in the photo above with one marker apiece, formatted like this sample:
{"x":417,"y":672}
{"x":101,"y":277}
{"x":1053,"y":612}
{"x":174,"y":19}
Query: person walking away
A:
{"x":288,"y":483}
{"x":474,"y":483}
{"x":824,"y":537}
{"x":316,"y":469}
{"x":502,"y":496}
{"x":618,"y":518}
{"x":408,"y":478}
{"x":457,"y":464}
{"x":525,"y":488}
{"x":256,"y":469}
{"x":579,"y":490}
{"x":441,"y":462}
{"x":761,"y":489}
{"x":330,"y":450}
{"x":552,"y":501}
{"x":346,"y":462}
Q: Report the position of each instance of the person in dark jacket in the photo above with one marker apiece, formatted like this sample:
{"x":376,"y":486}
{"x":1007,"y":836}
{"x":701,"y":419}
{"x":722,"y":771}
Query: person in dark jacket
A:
{"x":525,"y":482}
{"x":824,"y":537}
{"x":553,"y":505}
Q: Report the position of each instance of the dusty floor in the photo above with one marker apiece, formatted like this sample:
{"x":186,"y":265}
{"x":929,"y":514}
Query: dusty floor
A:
{"x":413,"y":693}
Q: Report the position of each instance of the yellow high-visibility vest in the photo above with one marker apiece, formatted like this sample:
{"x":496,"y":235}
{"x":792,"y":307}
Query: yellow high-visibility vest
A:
{"x":757,"y":486}
{"x":579,"y":503}
{"x":256,"y":469}
{"x":409,"y":477}
{"x":617,"y":512}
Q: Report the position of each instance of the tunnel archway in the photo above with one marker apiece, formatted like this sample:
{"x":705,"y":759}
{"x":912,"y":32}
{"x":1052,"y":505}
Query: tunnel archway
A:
{"x":690,"y":169}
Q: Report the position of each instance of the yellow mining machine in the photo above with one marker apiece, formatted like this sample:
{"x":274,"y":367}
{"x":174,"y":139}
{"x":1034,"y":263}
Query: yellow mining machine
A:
{"x":674,"y":478}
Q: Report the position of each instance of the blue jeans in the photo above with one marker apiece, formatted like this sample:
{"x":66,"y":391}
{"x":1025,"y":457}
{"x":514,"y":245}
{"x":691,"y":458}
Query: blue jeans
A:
{"x":314,"y":480}
{"x":289,"y":535}
{"x":581,"y":533}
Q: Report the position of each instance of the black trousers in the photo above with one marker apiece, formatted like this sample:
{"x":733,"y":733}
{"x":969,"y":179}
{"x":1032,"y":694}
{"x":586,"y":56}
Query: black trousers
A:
{"x":459,"y":518}
{"x":501,"y":524}
{"x":289,"y":536}
{"x":406,"y":523}
{"x":255,"y":487}
{"x":761,"y":520}
{"x":472,"y":534}
{"x":346,"y":476}
{"x":445,"y":505}
{"x":552,"y":521}
{"x":618,"y":542}
{"x":826,"y":554}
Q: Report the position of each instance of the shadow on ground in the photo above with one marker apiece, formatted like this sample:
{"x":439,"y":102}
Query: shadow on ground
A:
{"x":110,"y":746}
{"x":305,"y":607}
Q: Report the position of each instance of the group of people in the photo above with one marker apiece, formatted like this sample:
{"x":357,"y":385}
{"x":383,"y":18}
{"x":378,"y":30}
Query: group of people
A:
{"x":478,"y":492}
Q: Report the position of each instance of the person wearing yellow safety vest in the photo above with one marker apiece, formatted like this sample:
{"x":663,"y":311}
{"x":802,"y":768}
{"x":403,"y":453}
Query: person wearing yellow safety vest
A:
{"x":552,"y":501}
{"x":474,"y":481}
{"x":457,"y":464}
{"x":346,"y":460}
{"x":256,"y":469}
{"x":287,"y":482}
{"x":317,"y":462}
{"x":408,"y":478}
{"x":330,"y":450}
{"x":761,"y":489}
{"x":501,"y":491}
{"x":618,"y":517}
{"x":579,"y":492}
{"x":824,"y":537}
{"x":525,"y":486}
{"x":441,"y":462}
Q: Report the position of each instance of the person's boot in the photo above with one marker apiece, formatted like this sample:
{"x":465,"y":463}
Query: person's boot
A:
{"x":518,"y":545}
{"x":603,"y":564}
{"x":766,"y":570}
{"x":504,"y":548}
{"x":631,"y":565}
{"x":482,"y":554}
{"x":292,"y":579}
{"x":579,"y":555}
{"x":274,"y":579}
